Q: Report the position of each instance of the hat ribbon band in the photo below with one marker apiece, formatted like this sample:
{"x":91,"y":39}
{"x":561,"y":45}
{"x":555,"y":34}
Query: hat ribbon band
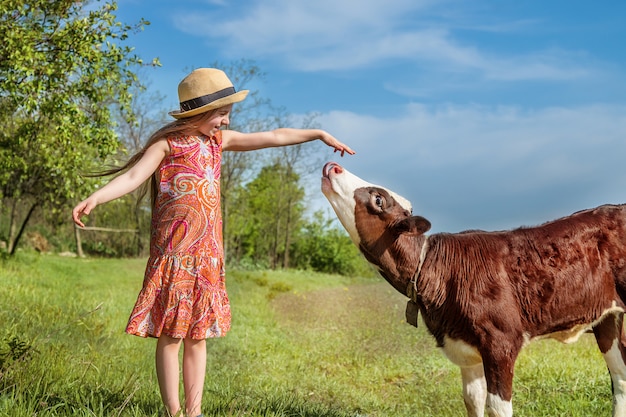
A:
{"x":194,"y":103}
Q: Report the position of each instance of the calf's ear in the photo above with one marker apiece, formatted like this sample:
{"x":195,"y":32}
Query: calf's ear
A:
{"x":415,"y":225}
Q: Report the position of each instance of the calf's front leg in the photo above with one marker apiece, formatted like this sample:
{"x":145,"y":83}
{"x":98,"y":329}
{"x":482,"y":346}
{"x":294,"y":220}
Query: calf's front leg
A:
{"x":499,"y":378}
{"x":474,"y":389}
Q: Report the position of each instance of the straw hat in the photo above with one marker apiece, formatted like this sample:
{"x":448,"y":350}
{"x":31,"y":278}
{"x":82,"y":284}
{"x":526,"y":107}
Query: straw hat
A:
{"x":205,"y":89}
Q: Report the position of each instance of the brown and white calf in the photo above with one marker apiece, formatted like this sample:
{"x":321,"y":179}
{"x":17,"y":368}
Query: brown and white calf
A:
{"x":484,"y":295}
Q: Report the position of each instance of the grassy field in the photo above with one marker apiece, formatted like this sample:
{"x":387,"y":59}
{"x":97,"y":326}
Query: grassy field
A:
{"x":302,"y":344}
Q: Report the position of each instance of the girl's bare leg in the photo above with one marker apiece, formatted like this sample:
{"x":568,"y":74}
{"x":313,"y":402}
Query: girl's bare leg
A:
{"x":194,"y":369}
{"x":167,"y":370}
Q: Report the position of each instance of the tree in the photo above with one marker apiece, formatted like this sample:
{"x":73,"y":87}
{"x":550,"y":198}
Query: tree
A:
{"x":324,"y":247}
{"x":272,"y":203}
{"x":60,"y":66}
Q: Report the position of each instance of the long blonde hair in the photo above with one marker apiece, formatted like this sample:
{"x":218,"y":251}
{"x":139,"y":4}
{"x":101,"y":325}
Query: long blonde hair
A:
{"x":188,"y":126}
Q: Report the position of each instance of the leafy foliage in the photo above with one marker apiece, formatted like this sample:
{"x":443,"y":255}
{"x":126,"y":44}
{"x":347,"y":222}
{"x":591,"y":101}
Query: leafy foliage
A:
{"x":270,"y":212}
{"x":323,"y":247}
{"x":13,"y":349}
{"x":61,"y":65}
{"x":268,"y":222}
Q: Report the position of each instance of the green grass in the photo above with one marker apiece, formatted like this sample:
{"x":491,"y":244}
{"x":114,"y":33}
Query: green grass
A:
{"x":302,"y":344}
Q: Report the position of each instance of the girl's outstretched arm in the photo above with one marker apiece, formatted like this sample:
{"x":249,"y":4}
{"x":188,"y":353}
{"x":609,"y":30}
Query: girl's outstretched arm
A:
{"x":124,"y":183}
{"x":237,"y":141}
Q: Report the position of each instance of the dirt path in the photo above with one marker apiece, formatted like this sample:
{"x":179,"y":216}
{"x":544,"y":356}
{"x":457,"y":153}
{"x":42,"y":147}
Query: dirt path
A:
{"x":342,"y":308}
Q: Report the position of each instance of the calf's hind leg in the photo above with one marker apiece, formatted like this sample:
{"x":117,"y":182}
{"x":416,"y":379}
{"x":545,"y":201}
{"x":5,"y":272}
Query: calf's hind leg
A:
{"x":612,"y":343}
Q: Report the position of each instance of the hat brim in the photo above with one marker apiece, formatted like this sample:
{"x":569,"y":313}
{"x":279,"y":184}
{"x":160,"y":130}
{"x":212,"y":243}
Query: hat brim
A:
{"x":224,"y":101}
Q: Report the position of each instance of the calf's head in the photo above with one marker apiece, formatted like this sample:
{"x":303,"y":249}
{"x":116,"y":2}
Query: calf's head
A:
{"x":374,"y":217}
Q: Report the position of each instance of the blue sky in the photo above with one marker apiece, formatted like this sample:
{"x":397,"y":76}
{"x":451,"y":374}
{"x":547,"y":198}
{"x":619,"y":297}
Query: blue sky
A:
{"x":486,"y":114}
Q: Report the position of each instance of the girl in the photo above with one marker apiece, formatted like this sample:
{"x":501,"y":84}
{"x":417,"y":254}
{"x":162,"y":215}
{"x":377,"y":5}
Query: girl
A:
{"x":183,"y":299}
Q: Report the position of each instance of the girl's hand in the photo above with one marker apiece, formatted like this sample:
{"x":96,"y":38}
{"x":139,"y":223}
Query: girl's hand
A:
{"x":82,"y":209}
{"x":330,"y":140}
{"x":124,"y":183}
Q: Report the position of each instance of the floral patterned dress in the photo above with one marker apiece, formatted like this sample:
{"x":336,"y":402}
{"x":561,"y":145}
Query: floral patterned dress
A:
{"x":184,"y":293}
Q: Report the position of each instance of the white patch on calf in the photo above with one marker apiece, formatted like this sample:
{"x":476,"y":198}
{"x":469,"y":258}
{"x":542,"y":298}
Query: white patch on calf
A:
{"x":339,"y":185}
{"x":474,"y":389}
{"x":615,"y":362}
{"x":461,"y":353}
{"x":497,"y":407}
{"x":573,"y":334}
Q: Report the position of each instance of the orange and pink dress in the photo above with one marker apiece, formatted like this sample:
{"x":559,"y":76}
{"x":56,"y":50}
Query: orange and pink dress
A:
{"x":184,"y":292}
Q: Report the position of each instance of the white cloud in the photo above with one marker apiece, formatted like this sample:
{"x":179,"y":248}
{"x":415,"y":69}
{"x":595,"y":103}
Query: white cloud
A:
{"x":482,"y":167}
{"x":333,"y":35}
{"x":552,"y":65}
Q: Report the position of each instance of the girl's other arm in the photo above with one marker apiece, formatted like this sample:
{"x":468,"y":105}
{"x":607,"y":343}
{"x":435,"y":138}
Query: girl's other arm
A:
{"x":237,"y":141}
{"x":124,"y":183}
